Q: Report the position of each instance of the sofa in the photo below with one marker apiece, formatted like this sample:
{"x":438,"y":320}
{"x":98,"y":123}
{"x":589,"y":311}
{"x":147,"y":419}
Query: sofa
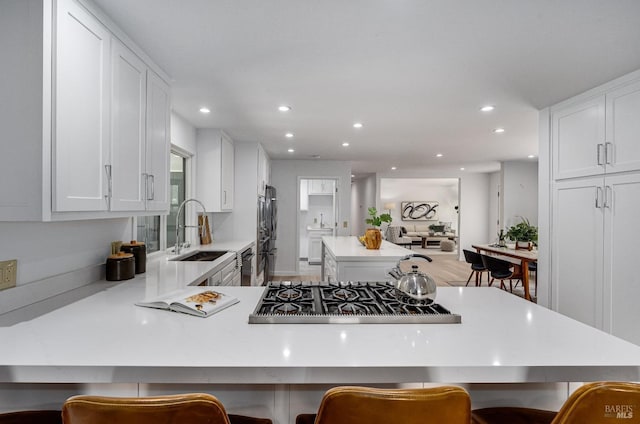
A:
{"x":419,"y":232}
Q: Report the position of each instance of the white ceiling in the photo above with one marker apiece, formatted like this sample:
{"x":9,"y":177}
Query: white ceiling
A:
{"x":415,"y":72}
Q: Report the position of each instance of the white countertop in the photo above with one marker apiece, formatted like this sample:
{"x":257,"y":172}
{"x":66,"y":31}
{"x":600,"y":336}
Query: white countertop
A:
{"x":349,"y":248}
{"x":104,"y":337}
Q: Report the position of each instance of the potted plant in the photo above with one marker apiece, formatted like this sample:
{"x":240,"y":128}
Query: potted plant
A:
{"x":373,"y":237}
{"x":524,"y":234}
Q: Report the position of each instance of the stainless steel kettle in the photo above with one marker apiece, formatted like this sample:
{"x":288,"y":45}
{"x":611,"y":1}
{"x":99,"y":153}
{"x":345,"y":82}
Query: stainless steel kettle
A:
{"x":414,"y":283}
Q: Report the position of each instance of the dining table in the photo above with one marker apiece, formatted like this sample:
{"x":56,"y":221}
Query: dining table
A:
{"x":524,"y":256}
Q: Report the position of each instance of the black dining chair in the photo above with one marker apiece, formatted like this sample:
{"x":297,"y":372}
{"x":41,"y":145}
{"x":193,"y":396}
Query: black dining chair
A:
{"x":477,"y":266}
{"x":500,"y":270}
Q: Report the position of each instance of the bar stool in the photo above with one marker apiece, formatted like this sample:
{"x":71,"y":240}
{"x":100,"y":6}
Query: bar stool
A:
{"x":591,"y":403}
{"x":364,"y":405}
{"x":192,"y":408}
{"x":31,"y":417}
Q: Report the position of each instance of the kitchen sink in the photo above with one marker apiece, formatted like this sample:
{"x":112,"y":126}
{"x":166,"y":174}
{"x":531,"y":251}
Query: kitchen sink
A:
{"x":202,"y":256}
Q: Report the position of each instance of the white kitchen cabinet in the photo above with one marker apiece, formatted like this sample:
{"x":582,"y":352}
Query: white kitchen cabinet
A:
{"x":215,"y":170}
{"x":157,"y":146}
{"x":80,"y":112}
{"x":595,"y":157}
{"x":597,"y":135}
{"x":80,"y":147}
{"x":577,"y":256}
{"x":321,"y":187}
{"x":128,"y":129}
{"x":314,"y":255}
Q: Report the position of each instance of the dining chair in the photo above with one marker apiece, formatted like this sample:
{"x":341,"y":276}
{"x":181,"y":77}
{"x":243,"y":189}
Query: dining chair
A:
{"x":477,"y":266}
{"x":191,"y":408}
{"x":500,"y":269}
{"x":360,"y":405}
{"x":600,"y":402}
{"x":32,"y":417}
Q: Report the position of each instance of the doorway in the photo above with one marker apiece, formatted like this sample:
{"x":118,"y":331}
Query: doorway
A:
{"x":317,"y":217}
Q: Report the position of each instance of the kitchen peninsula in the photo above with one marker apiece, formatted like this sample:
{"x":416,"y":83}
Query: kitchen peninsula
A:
{"x":103,"y":343}
{"x":346,"y":259}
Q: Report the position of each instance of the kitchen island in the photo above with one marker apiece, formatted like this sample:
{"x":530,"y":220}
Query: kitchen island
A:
{"x":344,"y":258}
{"x":100,"y":342}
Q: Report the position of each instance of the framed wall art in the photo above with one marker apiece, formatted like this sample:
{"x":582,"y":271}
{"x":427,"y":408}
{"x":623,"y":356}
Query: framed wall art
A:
{"x":419,"y":211}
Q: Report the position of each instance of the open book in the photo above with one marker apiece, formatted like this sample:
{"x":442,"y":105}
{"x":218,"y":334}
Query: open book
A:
{"x":198,"y":301}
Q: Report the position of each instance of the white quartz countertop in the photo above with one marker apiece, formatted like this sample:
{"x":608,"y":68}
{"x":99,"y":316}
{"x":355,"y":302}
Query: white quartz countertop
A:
{"x":99,"y":335}
{"x":349,"y":248}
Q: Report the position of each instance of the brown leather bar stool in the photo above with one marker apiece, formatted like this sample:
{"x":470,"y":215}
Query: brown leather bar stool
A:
{"x":364,"y":405}
{"x":32,"y":417}
{"x":603,"y":402}
{"x":192,"y":408}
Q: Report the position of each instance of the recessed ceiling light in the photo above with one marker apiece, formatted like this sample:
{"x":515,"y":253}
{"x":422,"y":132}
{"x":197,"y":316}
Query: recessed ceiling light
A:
{"x":462,"y":169}
{"x":498,"y":130}
{"x":357,"y":125}
{"x":353,"y":176}
{"x":345,"y":144}
{"x":439,"y":155}
{"x":487,"y":108}
{"x":393,"y":168}
{"x":290,"y":150}
{"x":204,"y":110}
{"x":289,"y":135}
{"x":284,"y":108}
{"x":531,"y":156}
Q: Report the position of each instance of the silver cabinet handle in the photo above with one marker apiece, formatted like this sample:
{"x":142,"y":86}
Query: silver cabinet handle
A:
{"x":107,"y":170}
{"x":145,"y":176}
{"x":224,"y":197}
{"x":153,"y":187}
{"x":608,"y":197}
{"x":608,"y":153}
{"x":599,"y":153}
{"x":598,"y":196}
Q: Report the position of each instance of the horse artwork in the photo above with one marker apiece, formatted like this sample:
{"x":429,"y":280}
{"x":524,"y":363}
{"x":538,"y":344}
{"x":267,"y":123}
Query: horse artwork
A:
{"x":419,"y":211}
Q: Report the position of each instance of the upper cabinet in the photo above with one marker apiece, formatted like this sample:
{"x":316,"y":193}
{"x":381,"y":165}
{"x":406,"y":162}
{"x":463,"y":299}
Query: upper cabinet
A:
{"x":321,"y":187}
{"x":215,"y":170}
{"x":98,"y":113}
{"x":264,"y":170}
{"x":597,"y":135}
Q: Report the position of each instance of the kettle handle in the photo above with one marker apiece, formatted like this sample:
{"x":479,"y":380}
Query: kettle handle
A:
{"x":414,"y":255}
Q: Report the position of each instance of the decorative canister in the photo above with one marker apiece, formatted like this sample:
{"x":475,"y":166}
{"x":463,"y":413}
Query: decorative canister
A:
{"x":139,"y":251}
{"x":120,"y":266}
{"x":372,"y":238}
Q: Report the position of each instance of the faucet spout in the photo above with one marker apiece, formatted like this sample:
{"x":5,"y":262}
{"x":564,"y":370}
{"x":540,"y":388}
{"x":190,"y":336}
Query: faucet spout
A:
{"x":202,"y":228}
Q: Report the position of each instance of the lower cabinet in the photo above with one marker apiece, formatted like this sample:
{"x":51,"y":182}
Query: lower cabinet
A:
{"x":594,"y":237}
{"x":315,"y":245}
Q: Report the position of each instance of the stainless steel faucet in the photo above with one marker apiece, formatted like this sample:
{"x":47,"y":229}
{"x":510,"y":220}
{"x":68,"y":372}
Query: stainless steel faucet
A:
{"x":203,"y":229}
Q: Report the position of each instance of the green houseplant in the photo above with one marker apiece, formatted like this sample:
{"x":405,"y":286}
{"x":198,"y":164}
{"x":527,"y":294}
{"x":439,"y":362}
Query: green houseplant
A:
{"x":373,"y":237}
{"x":524,"y":234}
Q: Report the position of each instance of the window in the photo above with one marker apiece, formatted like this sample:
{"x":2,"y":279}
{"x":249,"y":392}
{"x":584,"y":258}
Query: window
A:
{"x":159,"y":232}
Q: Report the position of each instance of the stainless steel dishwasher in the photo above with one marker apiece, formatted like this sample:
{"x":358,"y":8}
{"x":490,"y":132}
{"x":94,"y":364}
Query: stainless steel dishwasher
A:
{"x":247,"y":257}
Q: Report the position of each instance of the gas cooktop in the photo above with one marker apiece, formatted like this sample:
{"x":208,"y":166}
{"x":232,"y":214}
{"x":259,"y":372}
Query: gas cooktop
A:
{"x":345,"y":303}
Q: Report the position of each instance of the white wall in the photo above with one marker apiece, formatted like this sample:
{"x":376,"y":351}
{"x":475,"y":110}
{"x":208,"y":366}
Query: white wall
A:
{"x":284,"y":177}
{"x":441,"y":190}
{"x":363,"y":195}
{"x":520,"y":193}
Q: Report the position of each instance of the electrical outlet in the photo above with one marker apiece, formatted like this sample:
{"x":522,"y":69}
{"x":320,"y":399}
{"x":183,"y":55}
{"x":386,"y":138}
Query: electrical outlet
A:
{"x":8,"y":272}
{"x":345,"y":224}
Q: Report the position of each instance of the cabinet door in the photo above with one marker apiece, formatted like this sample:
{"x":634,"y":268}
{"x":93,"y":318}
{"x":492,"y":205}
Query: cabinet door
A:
{"x":80,"y":144}
{"x":128,"y":109}
{"x":158,"y":147}
{"x":577,"y":256}
{"x":578,"y":137}
{"x":227,"y":175}
{"x":262,"y":182}
{"x":621,"y":281}
{"x":315,"y":249}
{"x":623,"y":129}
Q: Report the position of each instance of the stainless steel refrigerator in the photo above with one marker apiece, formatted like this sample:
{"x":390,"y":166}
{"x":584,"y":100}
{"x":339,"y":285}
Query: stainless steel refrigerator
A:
{"x":267,"y":233}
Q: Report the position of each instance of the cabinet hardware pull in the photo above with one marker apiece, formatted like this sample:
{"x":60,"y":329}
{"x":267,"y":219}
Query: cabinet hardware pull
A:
{"x":598,"y":192}
{"x":107,"y":170}
{"x":608,"y":154}
{"x":608,"y":198}
{"x":153,"y":188}
{"x":145,"y":176}
{"x":599,"y":152}
{"x":224,"y":196}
